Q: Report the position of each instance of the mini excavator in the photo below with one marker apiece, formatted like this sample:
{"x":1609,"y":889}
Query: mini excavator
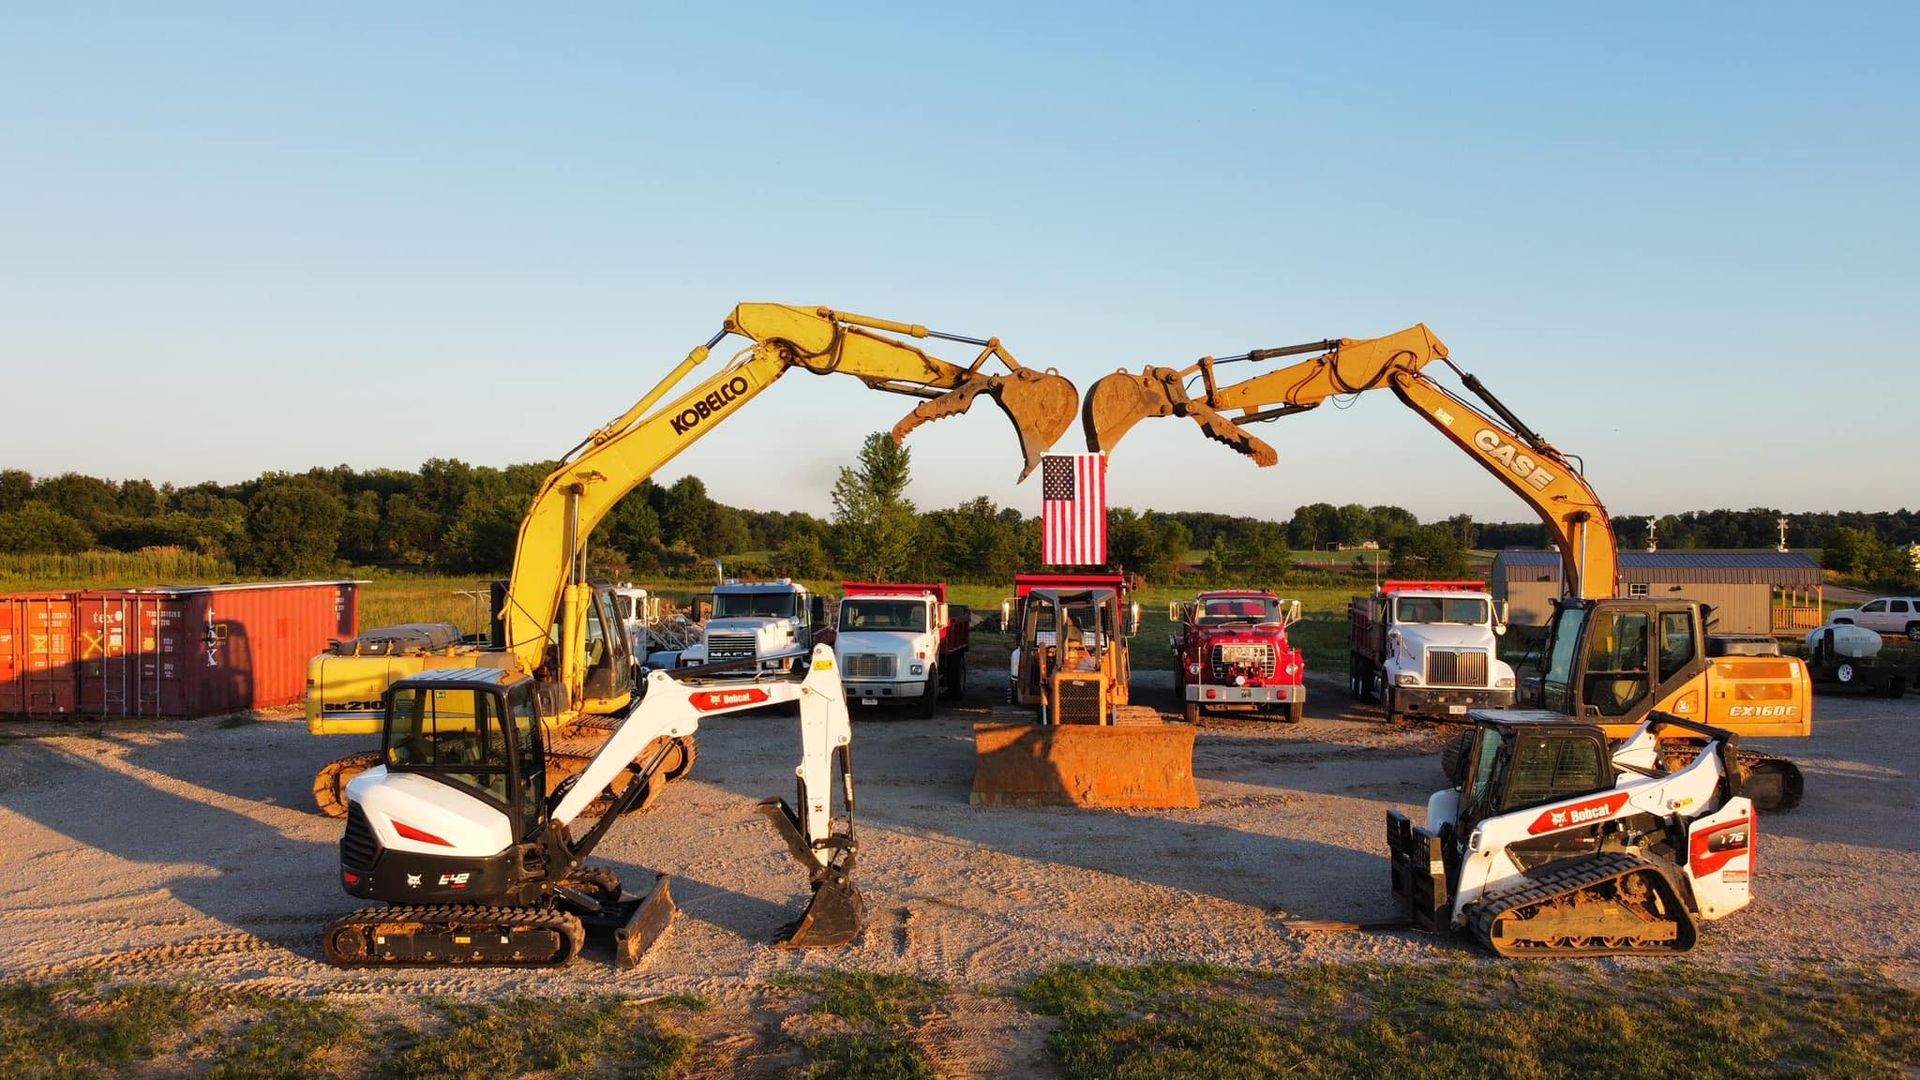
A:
{"x":1610,"y":661}
{"x":476,"y":859}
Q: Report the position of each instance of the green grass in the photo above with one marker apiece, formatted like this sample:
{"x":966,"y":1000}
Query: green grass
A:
{"x":111,"y":570}
{"x":579,"y":1036}
{"x":79,"y":1029}
{"x":878,"y":1016}
{"x":1472,"y":1019}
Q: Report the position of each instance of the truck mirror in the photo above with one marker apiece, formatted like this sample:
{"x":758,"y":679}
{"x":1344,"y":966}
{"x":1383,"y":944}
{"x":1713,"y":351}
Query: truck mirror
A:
{"x":941,"y":613}
{"x":1293,"y":613}
{"x":1499,"y":616}
{"x":1133,"y":618}
{"x":1006,"y":614}
{"x":1174,"y":614}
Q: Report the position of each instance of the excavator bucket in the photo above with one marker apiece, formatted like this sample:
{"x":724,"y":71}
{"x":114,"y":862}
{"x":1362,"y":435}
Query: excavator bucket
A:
{"x":837,"y":912}
{"x":1041,"y":405}
{"x":1147,"y":765}
{"x":1121,"y":400}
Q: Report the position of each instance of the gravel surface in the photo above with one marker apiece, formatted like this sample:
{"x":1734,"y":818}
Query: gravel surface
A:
{"x":190,"y":850}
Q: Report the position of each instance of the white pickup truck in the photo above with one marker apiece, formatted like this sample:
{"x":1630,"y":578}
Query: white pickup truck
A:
{"x":771,"y":621}
{"x":900,"y":642}
{"x":1429,"y":649}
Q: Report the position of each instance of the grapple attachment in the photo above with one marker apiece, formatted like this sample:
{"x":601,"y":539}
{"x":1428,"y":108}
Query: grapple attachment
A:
{"x":1041,"y":405}
{"x":837,"y":912}
{"x":1130,"y":765}
{"x":1121,"y":400}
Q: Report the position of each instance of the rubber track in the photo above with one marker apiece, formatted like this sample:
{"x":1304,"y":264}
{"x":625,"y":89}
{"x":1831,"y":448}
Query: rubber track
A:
{"x":476,"y":917}
{"x":1575,"y":876}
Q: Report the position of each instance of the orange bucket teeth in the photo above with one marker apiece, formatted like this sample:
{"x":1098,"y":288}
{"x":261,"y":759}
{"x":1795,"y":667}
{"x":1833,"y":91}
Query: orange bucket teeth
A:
{"x":1123,"y":766}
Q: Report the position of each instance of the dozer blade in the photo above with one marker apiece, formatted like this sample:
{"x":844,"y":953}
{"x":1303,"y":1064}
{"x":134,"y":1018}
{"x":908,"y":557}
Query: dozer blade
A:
{"x":837,"y":912}
{"x":1041,"y":405}
{"x":1143,"y":766}
{"x":1120,"y":400}
{"x":644,"y":927}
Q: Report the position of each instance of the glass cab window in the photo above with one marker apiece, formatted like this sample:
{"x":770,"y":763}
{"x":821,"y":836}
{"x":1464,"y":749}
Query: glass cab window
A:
{"x":1440,"y":609}
{"x":1616,"y":669}
{"x":1875,"y":606}
{"x":1549,"y":769}
{"x":1226,"y":611}
{"x":1562,"y":654}
{"x":909,"y":615}
{"x":455,"y":734}
{"x":755,"y":605}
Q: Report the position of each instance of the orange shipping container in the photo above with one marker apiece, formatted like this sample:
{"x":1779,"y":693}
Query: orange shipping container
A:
{"x":36,"y":655}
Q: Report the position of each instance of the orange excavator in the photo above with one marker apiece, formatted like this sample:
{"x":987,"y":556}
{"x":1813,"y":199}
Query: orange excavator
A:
{"x":1608,"y":660}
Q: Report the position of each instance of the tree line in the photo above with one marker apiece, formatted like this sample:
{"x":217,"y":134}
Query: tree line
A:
{"x":456,"y":517}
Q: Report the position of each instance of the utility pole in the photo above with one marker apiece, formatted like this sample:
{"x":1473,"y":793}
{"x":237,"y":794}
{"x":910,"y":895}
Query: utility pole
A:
{"x":1653,"y":539}
{"x":1782,"y":521}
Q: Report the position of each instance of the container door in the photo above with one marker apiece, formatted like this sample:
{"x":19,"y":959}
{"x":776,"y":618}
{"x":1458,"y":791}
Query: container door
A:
{"x":100,"y":640}
{"x":36,"y":656}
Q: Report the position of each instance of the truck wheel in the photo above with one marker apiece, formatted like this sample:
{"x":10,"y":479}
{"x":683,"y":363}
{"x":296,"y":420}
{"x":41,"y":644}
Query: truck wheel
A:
{"x":1355,"y":683}
{"x":1913,"y":631}
{"x":1844,"y":673}
{"x":1296,"y":711}
{"x":1895,"y":687}
{"x":930,"y":697}
{"x":1191,"y":710}
{"x":1394,"y":716}
{"x":1453,"y":757}
{"x":957,"y":681}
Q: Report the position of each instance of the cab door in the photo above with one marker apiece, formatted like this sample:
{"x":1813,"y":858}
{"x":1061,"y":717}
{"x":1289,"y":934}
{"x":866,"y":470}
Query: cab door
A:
{"x":1616,"y":674}
{"x":529,"y":762}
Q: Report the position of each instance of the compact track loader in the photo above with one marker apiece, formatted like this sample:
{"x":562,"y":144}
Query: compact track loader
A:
{"x":1556,"y":846}
{"x":475,"y":860}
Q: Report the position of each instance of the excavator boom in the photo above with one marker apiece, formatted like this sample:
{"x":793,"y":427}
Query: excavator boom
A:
{"x":1526,"y":463}
{"x":548,"y":587}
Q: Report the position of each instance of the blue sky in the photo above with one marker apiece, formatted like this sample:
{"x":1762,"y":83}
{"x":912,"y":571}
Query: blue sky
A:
{"x":1679,"y":240}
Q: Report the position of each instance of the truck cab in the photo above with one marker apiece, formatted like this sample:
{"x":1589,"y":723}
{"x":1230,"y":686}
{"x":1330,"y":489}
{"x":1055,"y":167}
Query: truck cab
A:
{"x":900,"y":642}
{"x":1230,"y":651}
{"x":770,"y":621}
{"x":1429,"y":649}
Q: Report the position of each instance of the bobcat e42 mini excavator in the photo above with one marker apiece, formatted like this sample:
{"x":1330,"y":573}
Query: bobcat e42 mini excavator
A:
{"x":1554,"y":846}
{"x":476,"y":859}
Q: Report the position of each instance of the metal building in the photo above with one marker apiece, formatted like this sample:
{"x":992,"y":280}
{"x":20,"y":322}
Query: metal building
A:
{"x":1751,"y":592}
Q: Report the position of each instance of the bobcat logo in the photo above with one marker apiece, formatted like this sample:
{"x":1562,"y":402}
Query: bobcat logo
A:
{"x":1558,"y":818}
{"x":413,"y":881}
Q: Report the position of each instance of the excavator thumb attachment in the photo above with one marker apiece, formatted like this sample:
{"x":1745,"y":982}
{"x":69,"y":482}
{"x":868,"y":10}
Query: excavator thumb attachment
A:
{"x":837,"y":913}
{"x":1121,"y":400}
{"x":1129,"y":765}
{"x":1041,"y":405}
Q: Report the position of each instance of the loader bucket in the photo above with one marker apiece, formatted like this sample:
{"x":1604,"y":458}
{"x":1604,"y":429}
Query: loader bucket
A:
{"x":1143,"y":766}
{"x":1041,"y":405}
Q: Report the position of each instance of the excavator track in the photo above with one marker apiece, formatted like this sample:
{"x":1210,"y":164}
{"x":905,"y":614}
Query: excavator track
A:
{"x":453,"y":935}
{"x":330,"y":783}
{"x":1611,"y":904}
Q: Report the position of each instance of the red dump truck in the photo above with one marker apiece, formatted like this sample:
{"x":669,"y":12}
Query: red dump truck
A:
{"x":901,"y":642}
{"x":1230,"y":651}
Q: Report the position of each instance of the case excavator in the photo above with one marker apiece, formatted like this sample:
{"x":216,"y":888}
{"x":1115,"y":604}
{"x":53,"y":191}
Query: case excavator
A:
{"x":551,"y":625}
{"x":1609,"y":661}
{"x":474,"y":856}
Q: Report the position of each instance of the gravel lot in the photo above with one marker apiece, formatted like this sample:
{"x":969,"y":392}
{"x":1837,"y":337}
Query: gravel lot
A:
{"x":190,"y":850}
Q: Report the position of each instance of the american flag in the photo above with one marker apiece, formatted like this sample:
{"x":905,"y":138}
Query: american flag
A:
{"x":1073,"y":509}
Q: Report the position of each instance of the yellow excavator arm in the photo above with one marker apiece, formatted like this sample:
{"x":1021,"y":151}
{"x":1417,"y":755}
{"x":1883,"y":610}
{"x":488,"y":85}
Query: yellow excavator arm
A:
{"x":548,"y":591}
{"x":1526,"y":463}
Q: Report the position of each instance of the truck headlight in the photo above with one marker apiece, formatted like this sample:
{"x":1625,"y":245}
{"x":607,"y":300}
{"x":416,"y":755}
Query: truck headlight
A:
{"x":1407,"y":678}
{"x":1505,"y":683}
{"x":1193,"y":669}
{"x":1292,"y":670}
{"x":918,"y":669}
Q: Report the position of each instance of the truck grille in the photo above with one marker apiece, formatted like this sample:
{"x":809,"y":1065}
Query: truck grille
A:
{"x":868,"y":666}
{"x":729,"y":646}
{"x":358,"y":846}
{"x":1079,"y":702}
{"x":1456,"y":669}
{"x":1257,"y":654}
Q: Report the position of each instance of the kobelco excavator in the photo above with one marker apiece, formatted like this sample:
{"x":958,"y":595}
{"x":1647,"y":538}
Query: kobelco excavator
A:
{"x":459,"y":834}
{"x":1610,"y":661}
{"x":552,"y":625}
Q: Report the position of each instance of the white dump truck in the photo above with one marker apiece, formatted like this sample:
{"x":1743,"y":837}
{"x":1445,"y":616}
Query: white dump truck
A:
{"x":900,"y":642}
{"x":1429,"y":649}
{"x":771,"y":621}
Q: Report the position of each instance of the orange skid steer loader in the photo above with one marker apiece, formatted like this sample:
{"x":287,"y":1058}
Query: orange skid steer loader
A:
{"x":1082,"y":744}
